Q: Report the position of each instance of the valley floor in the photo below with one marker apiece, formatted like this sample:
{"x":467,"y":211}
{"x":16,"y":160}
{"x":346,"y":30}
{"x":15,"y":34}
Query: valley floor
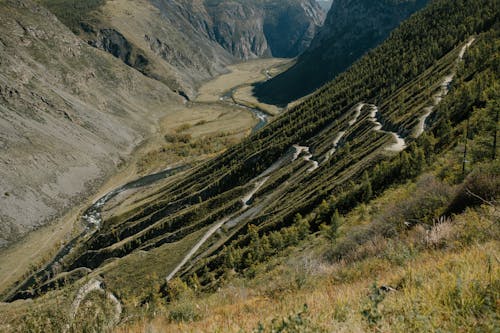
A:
{"x":207,"y":118}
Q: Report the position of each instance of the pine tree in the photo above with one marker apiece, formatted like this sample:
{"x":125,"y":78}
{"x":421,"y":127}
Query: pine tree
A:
{"x":367,"y":191}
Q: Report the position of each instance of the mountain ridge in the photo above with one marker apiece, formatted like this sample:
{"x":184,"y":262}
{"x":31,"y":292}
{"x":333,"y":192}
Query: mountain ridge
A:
{"x":182,"y":43}
{"x":351,"y":29}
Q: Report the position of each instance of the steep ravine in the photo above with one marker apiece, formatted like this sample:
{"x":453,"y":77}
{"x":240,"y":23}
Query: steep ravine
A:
{"x":184,"y":42}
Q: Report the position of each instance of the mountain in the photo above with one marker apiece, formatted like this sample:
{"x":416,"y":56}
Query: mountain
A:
{"x":325,"y":4}
{"x":351,"y":28}
{"x":265,"y":28}
{"x":370,"y":206}
{"x":103,"y":73}
{"x":183,"y":42}
{"x":70,"y":115}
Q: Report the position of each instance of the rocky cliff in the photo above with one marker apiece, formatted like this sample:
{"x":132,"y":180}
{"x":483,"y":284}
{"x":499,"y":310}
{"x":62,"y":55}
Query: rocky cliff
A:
{"x":250,"y":29}
{"x":351,"y":28}
{"x":183,"y":42}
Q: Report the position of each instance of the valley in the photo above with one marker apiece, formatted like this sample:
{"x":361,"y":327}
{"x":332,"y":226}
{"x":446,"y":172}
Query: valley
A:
{"x":249,"y":166}
{"x":207,"y":117}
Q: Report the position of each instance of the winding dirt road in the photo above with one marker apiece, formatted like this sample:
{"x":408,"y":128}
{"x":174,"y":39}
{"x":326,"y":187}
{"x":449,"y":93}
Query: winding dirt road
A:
{"x":443,"y":91}
{"x":94,"y":285}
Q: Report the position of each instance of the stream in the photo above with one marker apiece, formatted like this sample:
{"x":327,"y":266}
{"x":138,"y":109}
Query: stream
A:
{"x":263,"y":118}
{"x":92,"y":220}
{"x":92,"y":217}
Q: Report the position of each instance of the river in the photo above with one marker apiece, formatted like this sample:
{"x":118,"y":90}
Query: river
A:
{"x":92,"y":217}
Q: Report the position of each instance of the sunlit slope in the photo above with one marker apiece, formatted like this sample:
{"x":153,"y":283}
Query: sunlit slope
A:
{"x":69,"y":116}
{"x":183,"y":42}
{"x":347,"y":144}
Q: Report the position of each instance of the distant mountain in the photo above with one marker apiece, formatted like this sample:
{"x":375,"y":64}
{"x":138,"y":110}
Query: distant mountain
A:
{"x":352,"y":27}
{"x":250,"y":29}
{"x":182,"y":42}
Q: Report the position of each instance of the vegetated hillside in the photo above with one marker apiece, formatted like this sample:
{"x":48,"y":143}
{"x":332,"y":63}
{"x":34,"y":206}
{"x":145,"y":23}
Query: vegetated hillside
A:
{"x":351,"y":28}
{"x":69,"y":115}
{"x":183,"y":42}
{"x":356,"y":140}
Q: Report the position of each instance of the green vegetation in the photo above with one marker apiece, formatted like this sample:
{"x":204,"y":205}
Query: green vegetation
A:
{"x":422,"y":222}
{"x":341,"y":43}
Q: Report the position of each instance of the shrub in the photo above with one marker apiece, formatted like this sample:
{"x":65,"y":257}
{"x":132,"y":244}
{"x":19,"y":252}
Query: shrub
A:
{"x":293,"y":323}
{"x":427,"y":202}
{"x":482,"y":186}
{"x":176,"y":138}
{"x":184,"y":312}
{"x":439,"y":234}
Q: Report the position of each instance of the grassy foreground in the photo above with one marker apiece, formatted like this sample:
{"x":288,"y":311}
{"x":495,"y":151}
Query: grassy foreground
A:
{"x":440,"y":277}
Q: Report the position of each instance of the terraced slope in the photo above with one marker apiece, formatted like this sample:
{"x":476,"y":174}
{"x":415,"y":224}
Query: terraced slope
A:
{"x":343,"y":146}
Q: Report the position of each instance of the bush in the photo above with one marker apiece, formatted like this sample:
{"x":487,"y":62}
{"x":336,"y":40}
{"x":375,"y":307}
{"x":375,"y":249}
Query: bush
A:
{"x":294,"y":323}
{"x":482,"y":186}
{"x":348,"y":245}
{"x":176,"y":138}
{"x":426,"y":203}
{"x":184,"y":312}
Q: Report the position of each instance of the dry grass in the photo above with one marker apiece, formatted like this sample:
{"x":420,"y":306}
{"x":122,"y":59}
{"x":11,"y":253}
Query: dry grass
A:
{"x":426,"y":301}
{"x":454,"y":286}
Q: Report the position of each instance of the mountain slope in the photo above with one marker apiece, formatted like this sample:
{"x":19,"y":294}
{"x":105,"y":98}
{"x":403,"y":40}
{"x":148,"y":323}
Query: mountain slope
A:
{"x":265,"y":28}
{"x":346,"y":145}
{"x":63,"y":98}
{"x":69,"y":116}
{"x":183,"y":42}
{"x":351,"y":29}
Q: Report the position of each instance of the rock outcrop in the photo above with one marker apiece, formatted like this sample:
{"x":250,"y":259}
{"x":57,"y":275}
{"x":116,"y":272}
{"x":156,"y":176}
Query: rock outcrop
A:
{"x":250,"y":29}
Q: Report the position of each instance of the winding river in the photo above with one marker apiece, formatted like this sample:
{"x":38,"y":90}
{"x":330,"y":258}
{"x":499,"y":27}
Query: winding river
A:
{"x":92,"y":220}
{"x":92,"y":216}
{"x":262,"y":117}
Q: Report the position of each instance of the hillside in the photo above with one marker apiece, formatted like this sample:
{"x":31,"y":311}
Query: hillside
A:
{"x":351,"y":29}
{"x":70,"y":116}
{"x":63,"y":96}
{"x":184,"y":42}
{"x":370,"y":206}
